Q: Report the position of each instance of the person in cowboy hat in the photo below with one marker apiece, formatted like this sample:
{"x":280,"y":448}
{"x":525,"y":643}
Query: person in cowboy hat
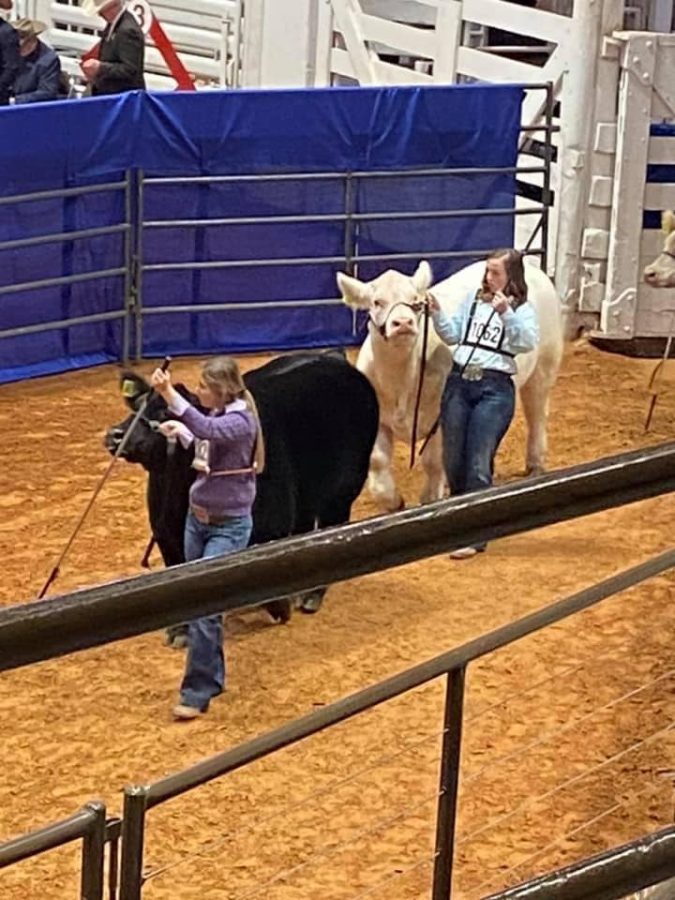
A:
{"x":121,"y":56}
{"x":39,"y":76}
{"x":9,"y":55}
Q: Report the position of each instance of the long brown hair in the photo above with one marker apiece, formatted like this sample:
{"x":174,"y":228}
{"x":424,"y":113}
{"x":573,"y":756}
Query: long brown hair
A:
{"x":516,"y":286}
{"x":223,"y":376}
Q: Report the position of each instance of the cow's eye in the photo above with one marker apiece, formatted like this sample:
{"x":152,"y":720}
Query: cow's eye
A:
{"x":377,"y":303}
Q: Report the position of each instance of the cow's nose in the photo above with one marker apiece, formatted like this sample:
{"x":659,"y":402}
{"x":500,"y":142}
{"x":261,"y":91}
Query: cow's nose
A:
{"x":650,"y":275}
{"x":113,"y":438}
{"x":401,"y":324}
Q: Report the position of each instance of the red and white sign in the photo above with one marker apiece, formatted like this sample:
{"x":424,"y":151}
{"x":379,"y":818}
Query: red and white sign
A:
{"x":142,"y":12}
{"x":140,"y":9}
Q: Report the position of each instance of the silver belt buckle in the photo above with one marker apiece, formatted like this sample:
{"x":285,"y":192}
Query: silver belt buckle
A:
{"x":472,"y":372}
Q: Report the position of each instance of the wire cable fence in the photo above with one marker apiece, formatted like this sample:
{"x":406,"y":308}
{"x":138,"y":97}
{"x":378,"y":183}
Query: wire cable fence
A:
{"x":587,"y":823}
{"x":334,"y":787}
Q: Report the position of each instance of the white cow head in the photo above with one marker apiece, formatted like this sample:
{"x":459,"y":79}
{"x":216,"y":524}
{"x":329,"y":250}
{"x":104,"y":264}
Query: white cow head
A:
{"x":394,"y":301}
{"x":661,"y":273}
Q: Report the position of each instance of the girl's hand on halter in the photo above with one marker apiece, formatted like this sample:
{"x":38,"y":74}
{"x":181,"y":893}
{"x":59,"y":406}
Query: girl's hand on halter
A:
{"x":172,"y":429}
{"x":500,"y":303}
{"x":432,"y":303}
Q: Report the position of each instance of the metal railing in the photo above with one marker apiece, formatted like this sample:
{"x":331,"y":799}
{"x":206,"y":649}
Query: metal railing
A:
{"x":88,"y":618}
{"x":348,"y":217}
{"x":608,"y":876}
{"x":138,"y":800}
{"x":88,"y":825}
{"x":65,"y":238}
{"x":133,"y":267}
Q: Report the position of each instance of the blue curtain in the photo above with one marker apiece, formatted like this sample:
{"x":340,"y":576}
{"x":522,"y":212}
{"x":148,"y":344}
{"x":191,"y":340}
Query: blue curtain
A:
{"x":335,"y":131}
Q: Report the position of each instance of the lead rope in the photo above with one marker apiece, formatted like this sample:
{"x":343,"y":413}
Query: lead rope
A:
{"x":53,"y":575}
{"x":420,"y":385}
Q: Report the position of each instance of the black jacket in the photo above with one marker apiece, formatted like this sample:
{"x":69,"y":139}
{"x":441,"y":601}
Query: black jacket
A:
{"x":122,"y":55}
{"x":9,"y":60}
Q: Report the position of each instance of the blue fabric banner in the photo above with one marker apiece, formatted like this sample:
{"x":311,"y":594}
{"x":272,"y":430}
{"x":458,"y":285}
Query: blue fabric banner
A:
{"x":337,"y":132}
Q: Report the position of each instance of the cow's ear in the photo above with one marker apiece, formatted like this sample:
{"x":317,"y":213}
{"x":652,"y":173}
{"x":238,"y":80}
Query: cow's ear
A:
{"x":354,"y":292}
{"x":422,"y":278}
{"x":132,"y":387}
{"x":668,"y":221}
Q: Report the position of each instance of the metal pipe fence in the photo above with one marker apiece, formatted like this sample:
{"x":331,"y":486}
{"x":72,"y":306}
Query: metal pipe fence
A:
{"x":140,"y":799}
{"x":88,"y":618}
{"x":133,"y":267}
{"x":66,"y":238}
{"x":608,"y":876}
{"x":88,"y":826}
{"x":348,"y":217}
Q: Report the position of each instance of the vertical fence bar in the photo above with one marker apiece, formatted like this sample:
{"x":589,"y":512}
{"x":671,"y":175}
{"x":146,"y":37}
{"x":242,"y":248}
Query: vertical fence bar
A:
{"x":449,"y":784}
{"x":128,"y":265}
{"x":349,"y":223}
{"x":133,"y":834}
{"x":113,"y":860}
{"x":138,"y":266}
{"x":93,"y":852}
{"x":349,"y":247}
{"x":548,"y":160}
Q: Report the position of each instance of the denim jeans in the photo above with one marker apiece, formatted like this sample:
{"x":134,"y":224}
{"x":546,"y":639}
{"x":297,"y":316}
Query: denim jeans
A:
{"x":475,"y":416}
{"x":204,"y":676}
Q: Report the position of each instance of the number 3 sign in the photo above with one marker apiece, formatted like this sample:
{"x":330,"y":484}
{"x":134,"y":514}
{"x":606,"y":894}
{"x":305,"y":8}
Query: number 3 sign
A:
{"x":142,"y":13}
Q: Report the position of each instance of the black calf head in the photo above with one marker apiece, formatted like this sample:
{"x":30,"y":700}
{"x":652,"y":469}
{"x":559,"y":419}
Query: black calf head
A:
{"x":145,"y":445}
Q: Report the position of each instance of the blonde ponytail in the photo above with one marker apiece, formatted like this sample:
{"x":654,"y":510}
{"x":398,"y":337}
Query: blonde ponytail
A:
{"x":222,"y":375}
{"x":259,"y":458}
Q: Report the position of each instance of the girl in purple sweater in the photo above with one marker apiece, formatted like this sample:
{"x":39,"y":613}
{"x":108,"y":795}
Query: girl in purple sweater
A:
{"x":228,"y":453}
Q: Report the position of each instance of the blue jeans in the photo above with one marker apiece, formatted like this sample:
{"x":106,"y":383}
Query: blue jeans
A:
{"x":204,"y":676}
{"x":475,"y":416}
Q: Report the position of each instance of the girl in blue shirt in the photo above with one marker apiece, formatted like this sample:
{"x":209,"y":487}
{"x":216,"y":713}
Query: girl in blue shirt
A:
{"x":489,"y":328}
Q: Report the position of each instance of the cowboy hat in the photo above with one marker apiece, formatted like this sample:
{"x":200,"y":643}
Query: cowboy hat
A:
{"x":94,"y":7}
{"x":29,"y":28}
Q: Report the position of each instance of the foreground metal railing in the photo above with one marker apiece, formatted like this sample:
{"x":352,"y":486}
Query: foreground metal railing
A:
{"x":608,"y":876}
{"x":87,"y":825}
{"x":44,"y":630}
{"x":31,"y":632}
{"x":138,"y":800}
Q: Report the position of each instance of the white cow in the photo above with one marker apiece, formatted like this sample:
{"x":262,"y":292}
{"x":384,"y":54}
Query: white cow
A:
{"x":391,"y":355}
{"x":661,"y":273}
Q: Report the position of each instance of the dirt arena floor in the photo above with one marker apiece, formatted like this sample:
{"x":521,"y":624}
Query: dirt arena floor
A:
{"x":568,"y":733}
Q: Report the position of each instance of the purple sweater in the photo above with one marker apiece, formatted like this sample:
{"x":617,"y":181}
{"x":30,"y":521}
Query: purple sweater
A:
{"x":231,"y":437}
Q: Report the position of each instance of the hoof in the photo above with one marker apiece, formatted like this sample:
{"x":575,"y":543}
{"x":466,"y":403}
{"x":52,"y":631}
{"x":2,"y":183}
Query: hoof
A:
{"x":533,"y":471}
{"x":312,"y":602}
{"x":279,"y":610}
{"x":177,"y":640}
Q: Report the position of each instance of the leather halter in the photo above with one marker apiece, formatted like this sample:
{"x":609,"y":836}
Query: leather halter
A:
{"x":417,"y":307}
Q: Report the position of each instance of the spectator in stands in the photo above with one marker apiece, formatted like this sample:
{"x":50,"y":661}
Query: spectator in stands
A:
{"x":121,"y":55}
{"x":39,"y":76}
{"x":9,"y":55}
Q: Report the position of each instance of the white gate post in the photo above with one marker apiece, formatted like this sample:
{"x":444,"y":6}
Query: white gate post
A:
{"x":638,"y":63}
{"x":280,"y":43}
{"x":578,"y":96}
{"x":448,"y":40}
